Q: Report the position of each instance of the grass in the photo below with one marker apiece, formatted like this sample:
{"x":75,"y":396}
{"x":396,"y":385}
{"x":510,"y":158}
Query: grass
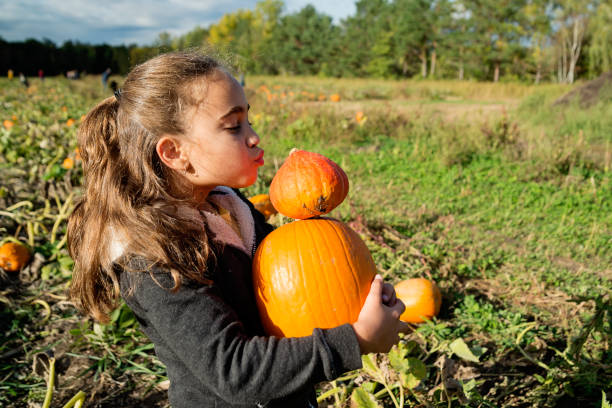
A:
{"x":509,"y":211}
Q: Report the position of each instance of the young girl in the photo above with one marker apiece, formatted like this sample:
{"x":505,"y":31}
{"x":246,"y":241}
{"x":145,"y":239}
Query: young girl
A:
{"x":162,"y":224}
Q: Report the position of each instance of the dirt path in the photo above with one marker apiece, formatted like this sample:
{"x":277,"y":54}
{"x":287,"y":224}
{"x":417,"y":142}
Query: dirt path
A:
{"x":446,"y":110}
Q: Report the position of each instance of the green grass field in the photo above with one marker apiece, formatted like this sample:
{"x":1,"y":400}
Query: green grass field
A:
{"x":500,"y":197}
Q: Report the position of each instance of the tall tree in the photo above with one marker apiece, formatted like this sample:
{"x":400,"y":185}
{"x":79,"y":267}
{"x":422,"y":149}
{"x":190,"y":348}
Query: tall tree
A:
{"x":497,"y":27}
{"x":366,"y":38}
{"x":195,"y":38}
{"x":600,"y":47}
{"x":538,"y":32}
{"x":245,"y":33}
{"x":458,"y":39}
{"x":414,"y":32}
{"x":442,"y":25}
{"x":301,"y":43}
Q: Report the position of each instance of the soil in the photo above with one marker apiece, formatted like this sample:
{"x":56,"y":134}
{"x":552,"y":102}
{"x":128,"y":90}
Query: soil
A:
{"x":588,"y":94}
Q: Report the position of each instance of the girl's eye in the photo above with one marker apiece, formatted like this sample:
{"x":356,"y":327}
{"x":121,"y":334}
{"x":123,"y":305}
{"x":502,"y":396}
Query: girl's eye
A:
{"x":234,"y":128}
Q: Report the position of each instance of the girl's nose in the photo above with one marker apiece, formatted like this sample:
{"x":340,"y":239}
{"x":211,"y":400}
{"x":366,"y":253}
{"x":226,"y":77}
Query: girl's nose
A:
{"x":252,"y":138}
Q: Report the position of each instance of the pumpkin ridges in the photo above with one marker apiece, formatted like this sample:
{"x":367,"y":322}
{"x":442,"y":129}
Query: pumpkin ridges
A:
{"x":302,"y":280}
{"x":349,"y":261}
{"x":320,"y":292}
{"x":333,"y":273}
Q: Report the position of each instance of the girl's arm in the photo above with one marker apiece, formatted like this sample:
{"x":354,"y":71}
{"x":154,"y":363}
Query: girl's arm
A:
{"x":196,"y":326}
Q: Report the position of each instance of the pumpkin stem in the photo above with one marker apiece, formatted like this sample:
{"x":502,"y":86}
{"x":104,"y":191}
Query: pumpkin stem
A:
{"x":295,"y":149}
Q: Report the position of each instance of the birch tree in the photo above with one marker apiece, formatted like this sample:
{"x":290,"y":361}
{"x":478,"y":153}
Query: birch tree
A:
{"x":572,"y":17}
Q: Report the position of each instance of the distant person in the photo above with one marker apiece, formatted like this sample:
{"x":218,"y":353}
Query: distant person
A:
{"x":41,"y":75}
{"x":163,"y":224}
{"x":10,"y":74}
{"x":23,"y":80}
{"x":105,"y":76}
{"x":72,"y":74}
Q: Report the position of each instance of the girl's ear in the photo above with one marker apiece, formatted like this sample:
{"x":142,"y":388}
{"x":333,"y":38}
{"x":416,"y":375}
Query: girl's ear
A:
{"x":172,"y":152}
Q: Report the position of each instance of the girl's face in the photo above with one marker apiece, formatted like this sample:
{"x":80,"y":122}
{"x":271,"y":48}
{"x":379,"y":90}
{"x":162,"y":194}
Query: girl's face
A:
{"x":220,"y":143}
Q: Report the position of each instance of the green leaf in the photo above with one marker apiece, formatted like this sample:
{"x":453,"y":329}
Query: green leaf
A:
{"x":604,"y":401}
{"x":360,"y":398}
{"x":470,"y":390}
{"x":47,"y":270}
{"x":369,"y":386}
{"x":55,"y":172}
{"x":462,"y":350}
{"x":416,"y":372}
{"x":369,"y":364}
{"x":398,"y":360}
{"x":98,"y":329}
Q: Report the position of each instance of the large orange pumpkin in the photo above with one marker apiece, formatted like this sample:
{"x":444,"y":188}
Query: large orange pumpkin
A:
{"x":13,"y":256}
{"x":262,"y":203}
{"x":422,"y":298}
{"x":307,"y":185}
{"x":313,"y":273}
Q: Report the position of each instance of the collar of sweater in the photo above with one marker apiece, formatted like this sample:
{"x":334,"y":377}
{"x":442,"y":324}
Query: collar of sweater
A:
{"x":222,"y":232}
{"x":226,"y":198}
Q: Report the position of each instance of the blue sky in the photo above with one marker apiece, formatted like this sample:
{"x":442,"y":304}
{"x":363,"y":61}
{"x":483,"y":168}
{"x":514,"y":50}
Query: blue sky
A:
{"x":125,"y":22}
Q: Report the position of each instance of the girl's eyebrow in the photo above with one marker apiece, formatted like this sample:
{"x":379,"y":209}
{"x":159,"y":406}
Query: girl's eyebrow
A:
{"x":235,"y":109}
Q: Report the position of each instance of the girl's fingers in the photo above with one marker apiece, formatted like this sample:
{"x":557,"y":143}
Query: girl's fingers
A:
{"x":403,"y":327}
{"x":388,"y":295}
{"x":397,"y":309}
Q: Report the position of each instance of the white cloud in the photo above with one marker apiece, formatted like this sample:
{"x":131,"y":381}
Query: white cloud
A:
{"x":124,"y":22}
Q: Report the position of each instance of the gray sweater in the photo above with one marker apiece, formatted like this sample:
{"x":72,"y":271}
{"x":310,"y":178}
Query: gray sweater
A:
{"x":212,"y":343}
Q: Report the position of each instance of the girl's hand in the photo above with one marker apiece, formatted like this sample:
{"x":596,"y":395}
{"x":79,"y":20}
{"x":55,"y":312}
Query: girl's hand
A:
{"x":378,"y":325}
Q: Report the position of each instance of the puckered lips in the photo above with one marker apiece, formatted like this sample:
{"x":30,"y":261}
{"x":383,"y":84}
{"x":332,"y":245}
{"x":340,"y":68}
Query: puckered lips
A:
{"x":259,"y":159}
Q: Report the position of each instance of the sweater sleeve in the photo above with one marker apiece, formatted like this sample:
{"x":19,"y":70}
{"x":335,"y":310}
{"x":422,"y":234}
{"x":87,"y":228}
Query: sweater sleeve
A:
{"x":199,"y":328}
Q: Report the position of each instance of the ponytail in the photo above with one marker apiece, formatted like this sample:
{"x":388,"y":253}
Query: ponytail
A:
{"x":93,"y":288}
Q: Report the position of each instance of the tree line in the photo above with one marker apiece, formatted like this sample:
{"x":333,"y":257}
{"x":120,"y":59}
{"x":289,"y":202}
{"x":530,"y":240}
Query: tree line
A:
{"x":487,"y":40}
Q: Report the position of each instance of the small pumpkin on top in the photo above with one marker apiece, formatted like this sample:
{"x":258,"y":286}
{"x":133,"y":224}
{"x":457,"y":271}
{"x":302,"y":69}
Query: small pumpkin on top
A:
{"x":13,"y":256}
{"x":308,"y":185}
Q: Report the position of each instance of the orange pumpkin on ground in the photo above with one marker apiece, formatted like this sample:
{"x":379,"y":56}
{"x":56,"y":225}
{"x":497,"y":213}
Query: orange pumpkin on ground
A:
{"x":422,"y":298}
{"x":68,"y":163}
{"x":263,"y":204}
{"x":307,"y":185}
{"x":313,"y":273}
{"x":7,"y":124}
{"x":13,"y":256}
{"x":334,"y":98}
